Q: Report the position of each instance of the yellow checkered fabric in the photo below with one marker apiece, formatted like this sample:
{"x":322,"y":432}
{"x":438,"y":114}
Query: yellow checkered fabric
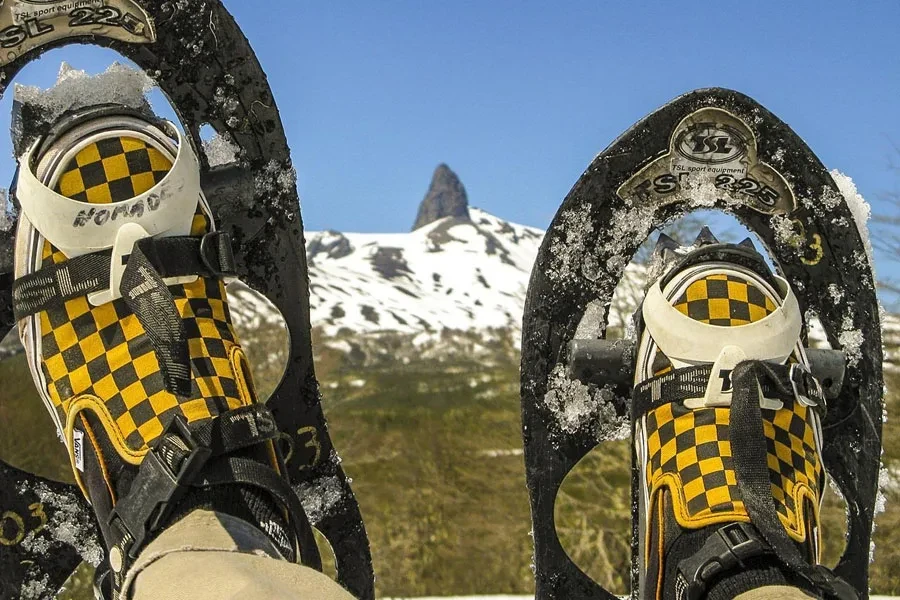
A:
{"x":113,"y":169}
{"x":689,"y":451}
{"x":724,"y":300}
{"x":102,"y":351}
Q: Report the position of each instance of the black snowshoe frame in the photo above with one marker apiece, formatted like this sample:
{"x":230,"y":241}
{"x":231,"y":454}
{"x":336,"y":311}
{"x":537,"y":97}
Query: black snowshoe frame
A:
{"x":199,"y":57}
{"x":711,"y":148}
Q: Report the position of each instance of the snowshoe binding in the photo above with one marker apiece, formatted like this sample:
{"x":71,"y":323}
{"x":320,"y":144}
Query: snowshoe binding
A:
{"x":731,"y":437}
{"x":91,"y":185}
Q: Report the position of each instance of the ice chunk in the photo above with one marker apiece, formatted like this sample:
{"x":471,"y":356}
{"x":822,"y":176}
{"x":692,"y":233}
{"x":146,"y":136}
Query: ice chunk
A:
{"x":859,"y":207}
{"x":67,"y":524}
{"x":74,"y":89}
{"x":320,"y":497}
{"x":34,"y":589}
{"x":275,"y":183}
{"x":220,"y":150}
{"x":851,"y":340}
{"x":567,"y":254}
{"x":576,"y":407}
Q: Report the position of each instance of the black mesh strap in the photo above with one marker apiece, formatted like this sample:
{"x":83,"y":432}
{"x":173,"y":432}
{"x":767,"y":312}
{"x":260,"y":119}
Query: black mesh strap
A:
{"x":201,"y":456}
{"x":788,"y":383}
{"x":237,"y":429}
{"x":237,"y":470}
{"x":51,"y":286}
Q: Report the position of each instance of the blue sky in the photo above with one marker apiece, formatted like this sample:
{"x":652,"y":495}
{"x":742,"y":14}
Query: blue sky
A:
{"x":519,"y":96}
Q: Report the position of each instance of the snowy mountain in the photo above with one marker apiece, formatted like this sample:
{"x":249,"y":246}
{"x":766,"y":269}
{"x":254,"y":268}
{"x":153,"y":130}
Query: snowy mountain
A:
{"x":453,"y":273}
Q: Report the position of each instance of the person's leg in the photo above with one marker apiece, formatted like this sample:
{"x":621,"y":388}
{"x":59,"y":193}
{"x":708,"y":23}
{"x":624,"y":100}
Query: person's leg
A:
{"x":775,"y":592}
{"x":234,"y":561}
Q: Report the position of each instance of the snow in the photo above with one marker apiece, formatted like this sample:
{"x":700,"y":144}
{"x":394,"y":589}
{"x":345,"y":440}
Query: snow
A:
{"x":446,"y":275}
{"x":859,"y":207}
{"x":567,"y":253}
{"x":250,"y":309}
{"x":277,"y":183}
{"x":74,"y":89}
{"x":576,"y":406}
{"x":320,"y":497}
{"x":8,"y":215}
{"x":68,"y":526}
{"x":851,"y":340}
{"x":220,"y":150}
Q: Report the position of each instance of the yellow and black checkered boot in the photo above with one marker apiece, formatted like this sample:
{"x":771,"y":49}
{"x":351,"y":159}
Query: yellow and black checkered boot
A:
{"x":727,"y":432}
{"x":123,"y":312}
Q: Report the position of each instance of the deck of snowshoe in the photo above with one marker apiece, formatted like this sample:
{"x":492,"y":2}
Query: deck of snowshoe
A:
{"x":200,"y":59}
{"x":711,"y":148}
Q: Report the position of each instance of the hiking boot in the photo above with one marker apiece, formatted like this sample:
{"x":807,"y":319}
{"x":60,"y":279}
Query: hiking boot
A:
{"x":121,"y":307}
{"x":727,"y":432}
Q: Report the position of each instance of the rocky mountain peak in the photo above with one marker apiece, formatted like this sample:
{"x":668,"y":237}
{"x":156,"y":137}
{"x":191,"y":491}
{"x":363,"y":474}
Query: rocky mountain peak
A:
{"x":446,"y":197}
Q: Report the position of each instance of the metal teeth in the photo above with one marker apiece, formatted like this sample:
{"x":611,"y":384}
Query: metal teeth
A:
{"x":665,"y":243}
{"x":748,"y":243}
{"x":705,"y":238}
{"x":665,"y":251}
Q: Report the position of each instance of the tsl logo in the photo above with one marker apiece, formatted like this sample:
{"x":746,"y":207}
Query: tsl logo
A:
{"x":710,"y":144}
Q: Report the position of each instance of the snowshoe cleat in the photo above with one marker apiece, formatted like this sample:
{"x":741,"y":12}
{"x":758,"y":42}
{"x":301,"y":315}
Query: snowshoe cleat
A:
{"x":47,"y":527}
{"x":710,"y":148}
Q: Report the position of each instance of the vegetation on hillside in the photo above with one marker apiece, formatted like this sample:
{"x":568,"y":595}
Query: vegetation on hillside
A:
{"x":432,"y":441}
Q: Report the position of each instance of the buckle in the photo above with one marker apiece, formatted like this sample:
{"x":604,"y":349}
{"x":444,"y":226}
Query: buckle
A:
{"x":216,"y":254}
{"x":807,"y":389}
{"x":724,"y":550}
{"x":155,"y":491}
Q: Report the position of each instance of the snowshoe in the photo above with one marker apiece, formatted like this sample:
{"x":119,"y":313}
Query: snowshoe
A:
{"x":711,"y":148}
{"x":47,"y":528}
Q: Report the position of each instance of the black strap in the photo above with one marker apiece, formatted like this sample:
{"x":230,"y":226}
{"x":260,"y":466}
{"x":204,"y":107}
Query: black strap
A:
{"x":250,"y":472}
{"x":748,"y":446}
{"x":143,"y":290}
{"x":147,"y":296}
{"x":182,"y":458}
{"x":163,"y":477}
{"x":53,"y":285}
{"x":237,"y":429}
{"x":791,"y":382}
{"x":723,"y":551}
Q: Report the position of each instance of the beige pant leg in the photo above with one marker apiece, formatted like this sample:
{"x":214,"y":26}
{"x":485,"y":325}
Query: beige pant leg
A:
{"x":210,"y":556}
{"x":775,"y":592}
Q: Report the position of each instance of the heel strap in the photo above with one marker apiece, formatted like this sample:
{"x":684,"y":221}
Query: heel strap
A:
{"x":182,"y":459}
{"x":724,"y":551}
